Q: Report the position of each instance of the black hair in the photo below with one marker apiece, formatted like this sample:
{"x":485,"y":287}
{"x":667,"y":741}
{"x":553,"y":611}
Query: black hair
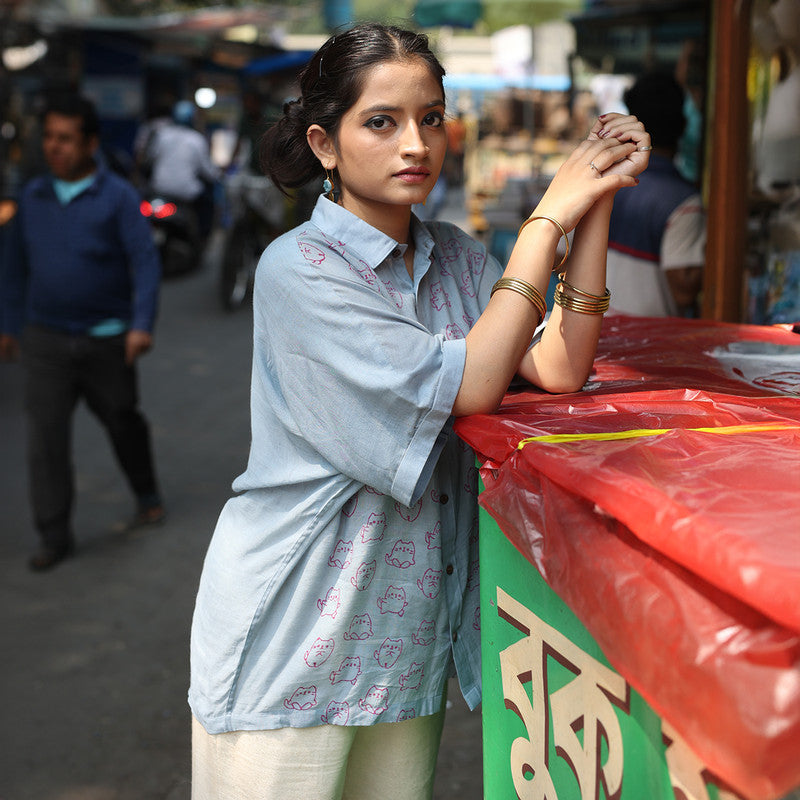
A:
{"x":656,"y":98}
{"x":330,"y":84}
{"x":74,"y":105}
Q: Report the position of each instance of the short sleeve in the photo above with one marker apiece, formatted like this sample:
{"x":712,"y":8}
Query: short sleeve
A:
{"x":684,"y":240}
{"x":368,"y":389}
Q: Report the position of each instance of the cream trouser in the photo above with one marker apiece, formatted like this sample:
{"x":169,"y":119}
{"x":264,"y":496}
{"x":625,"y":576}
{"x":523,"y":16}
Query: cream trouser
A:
{"x":394,"y":760}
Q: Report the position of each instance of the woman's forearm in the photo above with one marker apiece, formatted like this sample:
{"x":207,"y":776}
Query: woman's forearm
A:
{"x":562,"y":360}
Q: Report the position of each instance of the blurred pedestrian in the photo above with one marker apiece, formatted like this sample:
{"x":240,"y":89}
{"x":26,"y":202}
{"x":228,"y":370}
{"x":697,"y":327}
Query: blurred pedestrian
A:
{"x":657,"y":236}
{"x":81,"y":275}
{"x":182,"y":168}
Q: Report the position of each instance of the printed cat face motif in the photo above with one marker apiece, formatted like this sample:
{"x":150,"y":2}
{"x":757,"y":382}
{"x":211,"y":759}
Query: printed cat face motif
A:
{"x":426,"y":633}
{"x":476,"y":261}
{"x":336,"y":713}
{"x":342,"y":555}
{"x":451,"y":250}
{"x":360,"y":627}
{"x":388,"y":653}
{"x":402,"y":555}
{"x":376,"y":700}
{"x":452,"y":331}
{"x":303,"y":698}
{"x":319,"y":652}
{"x":413,"y":678}
{"x":349,"y":670}
{"x":476,"y":619}
{"x":439,"y":298}
{"x":429,"y":583}
{"x":393,"y":602}
{"x":372,"y":530}
{"x":467,"y":287}
{"x":406,"y":713}
{"x":329,"y":607}
{"x":364,"y":575}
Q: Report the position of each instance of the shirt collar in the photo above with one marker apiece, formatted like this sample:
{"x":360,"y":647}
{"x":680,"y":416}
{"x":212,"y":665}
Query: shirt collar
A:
{"x":371,"y":244}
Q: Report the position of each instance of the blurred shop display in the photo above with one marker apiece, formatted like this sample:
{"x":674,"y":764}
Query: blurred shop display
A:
{"x":773,"y":264}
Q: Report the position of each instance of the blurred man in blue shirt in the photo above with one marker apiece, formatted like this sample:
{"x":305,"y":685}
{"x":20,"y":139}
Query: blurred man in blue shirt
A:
{"x":81,"y":277}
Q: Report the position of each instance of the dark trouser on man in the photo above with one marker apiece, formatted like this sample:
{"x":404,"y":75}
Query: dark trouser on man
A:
{"x":60,"y":370}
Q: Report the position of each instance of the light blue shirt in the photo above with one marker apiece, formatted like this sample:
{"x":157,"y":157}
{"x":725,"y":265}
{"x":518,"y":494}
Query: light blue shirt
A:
{"x":341,"y":585}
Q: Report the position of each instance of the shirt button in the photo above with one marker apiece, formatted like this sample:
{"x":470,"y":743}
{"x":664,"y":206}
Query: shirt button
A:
{"x":455,"y":636}
{"x":396,"y":252}
{"x":444,"y":499}
{"x":449,"y":569}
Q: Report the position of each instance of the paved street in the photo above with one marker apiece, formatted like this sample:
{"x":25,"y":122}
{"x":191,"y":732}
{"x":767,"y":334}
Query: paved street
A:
{"x":95,"y":653}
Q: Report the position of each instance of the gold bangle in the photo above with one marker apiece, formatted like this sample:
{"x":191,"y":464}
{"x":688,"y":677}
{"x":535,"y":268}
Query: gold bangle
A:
{"x":579,"y":304}
{"x":562,"y":276}
{"x":527,"y":290}
{"x":559,"y":226}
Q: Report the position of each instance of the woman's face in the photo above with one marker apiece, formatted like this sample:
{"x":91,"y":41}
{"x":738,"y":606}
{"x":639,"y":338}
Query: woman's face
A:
{"x":391,"y":143}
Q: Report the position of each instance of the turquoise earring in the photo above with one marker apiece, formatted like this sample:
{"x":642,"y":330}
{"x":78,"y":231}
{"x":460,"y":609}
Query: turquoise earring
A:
{"x":327,"y":184}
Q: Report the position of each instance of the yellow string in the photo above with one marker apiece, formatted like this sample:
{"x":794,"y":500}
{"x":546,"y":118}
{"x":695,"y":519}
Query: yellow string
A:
{"x":642,"y":432}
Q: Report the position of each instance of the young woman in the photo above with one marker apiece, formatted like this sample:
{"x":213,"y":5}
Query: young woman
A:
{"x":340,"y":590}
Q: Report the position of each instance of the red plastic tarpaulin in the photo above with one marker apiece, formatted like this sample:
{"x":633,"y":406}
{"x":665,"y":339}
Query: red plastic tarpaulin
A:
{"x":662,"y":504}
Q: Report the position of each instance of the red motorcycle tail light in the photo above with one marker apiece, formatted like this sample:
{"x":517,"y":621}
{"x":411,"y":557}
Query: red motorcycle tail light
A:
{"x":165,"y":210}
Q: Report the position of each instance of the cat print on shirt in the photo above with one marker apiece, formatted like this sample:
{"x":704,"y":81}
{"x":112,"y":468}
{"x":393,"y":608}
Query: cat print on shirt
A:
{"x":303,"y":698}
{"x":388,"y":653}
{"x":433,"y":538}
{"x":342,"y":555}
{"x":360,"y":628}
{"x":319,"y":652}
{"x":373,"y":529}
{"x":476,"y":261}
{"x":393,"y":601}
{"x":394,"y":294}
{"x":376,"y":700}
{"x":402,"y":555}
{"x":329,"y":607}
{"x":426,"y":633}
{"x":429,"y":583}
{"x":334,"y":244}
{"x":349,"y":508}
{"x":471,"y":482}
{"x":452,"y":332}
{"x":473,"y":579}
{"x":467,"y":286}
{"x":310,"y":252}
{"x":413,"y":677}
{"x":349,"y":670}
{"x":406,"y":713}
{"x":337,"y":713}
{"x":451,"y":250}
{"x":439,"y":298}
{"x":409,"y":513}
{"x":365,"y":271}
{"x":364,"y":575}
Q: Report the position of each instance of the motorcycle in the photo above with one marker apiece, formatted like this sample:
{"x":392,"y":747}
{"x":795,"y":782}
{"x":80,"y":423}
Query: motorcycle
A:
{"x":257,"y":212}
{"x":176,"y":233}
